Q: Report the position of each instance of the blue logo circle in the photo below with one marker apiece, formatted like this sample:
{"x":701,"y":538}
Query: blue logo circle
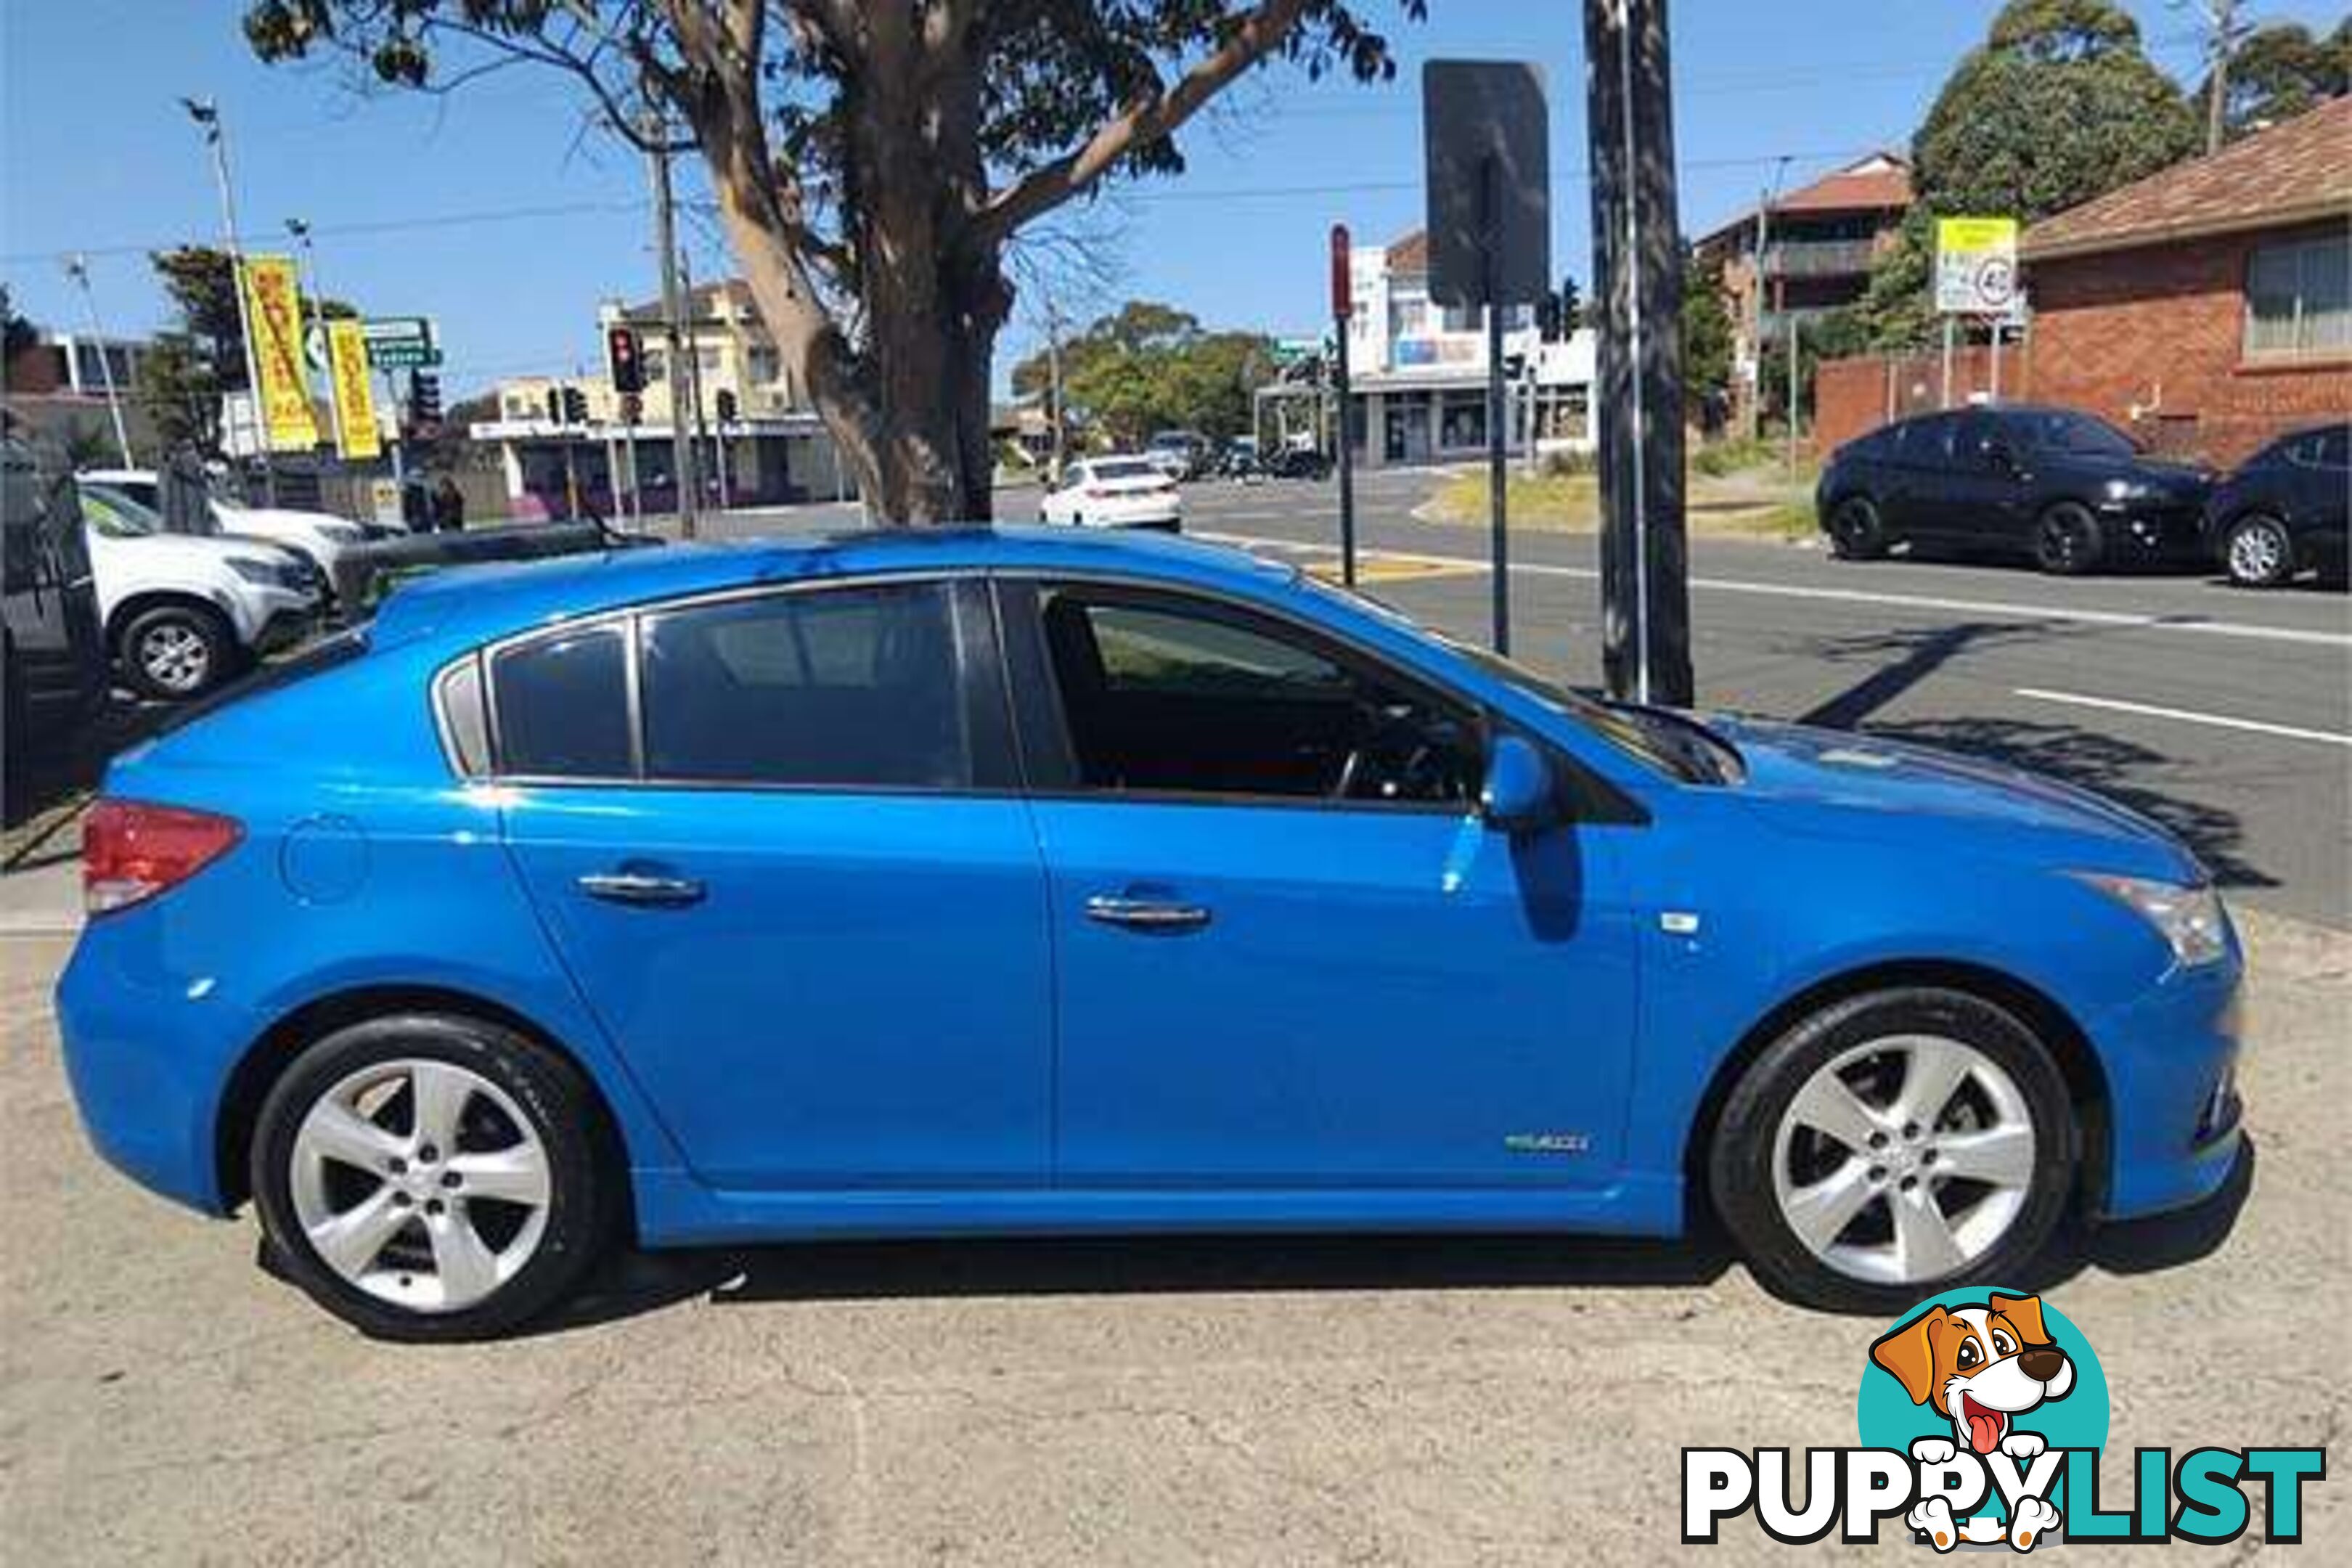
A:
{"x":1890,"y":1418}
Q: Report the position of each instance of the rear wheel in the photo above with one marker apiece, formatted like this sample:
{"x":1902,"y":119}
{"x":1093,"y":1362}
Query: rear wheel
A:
{"x":1856,"y":532}
{"x":2259,"y":553}
{"x":176,"y":652}
{"x":1893,"y":1145}
{"x":430,"y":1177}
{"x":2067,"y":541}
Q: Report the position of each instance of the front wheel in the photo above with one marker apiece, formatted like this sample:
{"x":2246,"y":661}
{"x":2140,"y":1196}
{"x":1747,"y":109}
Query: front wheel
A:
{"x":2067,"y":541}
{"x":1893,"y":1145}
{"x":2259,"y":553}
{"x":427,"y":1177}
{"x":174,"y":653}
{"x":1856,"y":532}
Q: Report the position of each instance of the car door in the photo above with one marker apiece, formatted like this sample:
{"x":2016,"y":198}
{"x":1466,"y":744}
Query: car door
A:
{"x":1288,"y":953}
{"x":1982,"y":500}
{"x":1910,"y":476}
{"x":798,"y":890}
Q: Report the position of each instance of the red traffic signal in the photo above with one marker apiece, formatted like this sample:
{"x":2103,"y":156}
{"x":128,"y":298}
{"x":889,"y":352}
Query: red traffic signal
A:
{"x":1343,"y":287}
{"x":621,"y":359}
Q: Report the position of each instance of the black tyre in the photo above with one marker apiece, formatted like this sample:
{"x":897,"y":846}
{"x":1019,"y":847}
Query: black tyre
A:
{"x":2258,"y":553}
{"x":429,"y":1177}
{"x":1856,"y":532}
{"x":2068,"y":540}
{"x":173,"y":653}
{"x":1893,"y":1145}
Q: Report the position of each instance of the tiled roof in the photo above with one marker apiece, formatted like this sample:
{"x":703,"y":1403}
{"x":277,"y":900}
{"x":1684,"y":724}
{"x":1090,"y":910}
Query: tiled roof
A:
{"x":1880,"y":183}
{"x":2296,"y":172}
{"x":1408,"y":256}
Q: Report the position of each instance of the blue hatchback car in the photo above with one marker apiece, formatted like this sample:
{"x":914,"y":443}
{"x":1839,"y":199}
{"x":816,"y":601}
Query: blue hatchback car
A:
{"x":1014,"y":881}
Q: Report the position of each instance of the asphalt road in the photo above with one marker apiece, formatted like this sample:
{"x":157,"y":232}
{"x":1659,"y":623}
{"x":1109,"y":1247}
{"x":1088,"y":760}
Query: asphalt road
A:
{"x":1392,"y":1400}
{"x":2225,"y":715}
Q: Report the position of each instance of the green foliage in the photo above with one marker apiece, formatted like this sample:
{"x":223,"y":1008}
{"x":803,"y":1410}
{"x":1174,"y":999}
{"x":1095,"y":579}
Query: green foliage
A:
{"x":180,"y":391}
{"x":1148,"y":366}
{"x":2281,"y":71}
{"x":2057,"y":106}
{"x":1836,"y":335}
{"x":1707,"y":333}
{"x":16,"y":334}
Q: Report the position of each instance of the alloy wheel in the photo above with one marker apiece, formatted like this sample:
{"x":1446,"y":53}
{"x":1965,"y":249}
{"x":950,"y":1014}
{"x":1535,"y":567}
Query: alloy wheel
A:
{"x":421,"y":1182}
{"x":176,"y":656}
{"x":1904,"y":1160}
{"x":2258,"y":553}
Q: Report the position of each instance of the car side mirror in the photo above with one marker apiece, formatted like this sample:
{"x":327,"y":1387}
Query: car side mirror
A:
{"x":1517,"y":795}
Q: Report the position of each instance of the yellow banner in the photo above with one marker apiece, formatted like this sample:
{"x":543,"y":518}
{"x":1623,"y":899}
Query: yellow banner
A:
{"x":347,"y":363}
{"x":273,"y":314}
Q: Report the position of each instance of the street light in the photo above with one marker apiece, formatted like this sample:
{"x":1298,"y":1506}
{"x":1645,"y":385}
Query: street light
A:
{"x":206,"y":115}
{"x":78,"y":270}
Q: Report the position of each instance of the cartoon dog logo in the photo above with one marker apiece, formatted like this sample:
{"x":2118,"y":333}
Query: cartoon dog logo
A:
{"x":1981,"y":1368}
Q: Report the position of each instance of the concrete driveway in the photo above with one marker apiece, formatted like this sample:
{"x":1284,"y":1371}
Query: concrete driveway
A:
{"x":1193,"y":1401}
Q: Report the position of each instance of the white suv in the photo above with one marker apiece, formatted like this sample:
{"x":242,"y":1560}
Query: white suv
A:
{"x":318,"y":536}
{"x":183,"y":612}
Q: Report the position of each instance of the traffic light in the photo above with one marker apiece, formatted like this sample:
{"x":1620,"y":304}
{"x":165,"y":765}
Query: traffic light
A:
{"x":423,"y":398}
{"x":576,"y":407}
{"x":628,"y":373}
{"x":633,"y":407}
{"x":728,"y":407}
{"x":555,"y":406}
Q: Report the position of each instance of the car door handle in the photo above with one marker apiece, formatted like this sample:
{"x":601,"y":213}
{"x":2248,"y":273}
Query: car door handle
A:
{"x":1146,"y":914}
{"x":641,"y":889}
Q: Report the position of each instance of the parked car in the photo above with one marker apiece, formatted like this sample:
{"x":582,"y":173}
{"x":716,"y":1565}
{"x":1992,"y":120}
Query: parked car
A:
{"x":1119,"y":491}
{"x":51,"y":647}
{"x":183,"y":612}
{"x":2064,"y":489}
{"x":1239,"y":459}
{"x":2285,"y":510}
{"x":1300,"y":463}
{"x":1179,"y":454}
{"x":1036,"y":881}
{"x":318,"y":536}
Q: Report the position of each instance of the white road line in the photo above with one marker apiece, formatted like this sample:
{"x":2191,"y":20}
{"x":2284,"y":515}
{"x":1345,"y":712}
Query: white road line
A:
{"x":2182,"y":715}
{"x":1995,"y":608}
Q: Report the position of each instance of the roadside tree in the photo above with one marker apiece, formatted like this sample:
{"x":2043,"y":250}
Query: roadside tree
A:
{"x":872,"y":163}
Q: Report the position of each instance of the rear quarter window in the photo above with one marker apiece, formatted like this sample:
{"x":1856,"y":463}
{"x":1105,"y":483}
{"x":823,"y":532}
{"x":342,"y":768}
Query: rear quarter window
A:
{"x":562,"y":706}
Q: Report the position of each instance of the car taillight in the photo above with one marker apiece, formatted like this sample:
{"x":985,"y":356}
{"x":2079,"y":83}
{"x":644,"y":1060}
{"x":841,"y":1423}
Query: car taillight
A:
{"x":1097,"y":493}
{"x":131,"y":850}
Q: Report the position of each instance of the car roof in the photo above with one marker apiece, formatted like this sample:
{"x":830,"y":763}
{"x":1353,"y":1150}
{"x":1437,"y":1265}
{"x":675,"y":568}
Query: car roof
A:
{"x":475,"y":604}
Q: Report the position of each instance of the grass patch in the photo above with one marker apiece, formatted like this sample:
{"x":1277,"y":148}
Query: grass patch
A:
{"x":1544,"y":501}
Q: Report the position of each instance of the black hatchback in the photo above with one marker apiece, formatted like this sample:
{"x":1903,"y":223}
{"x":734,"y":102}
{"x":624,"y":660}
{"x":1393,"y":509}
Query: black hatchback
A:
{"x":2062,"y":488}
{"x":2285,"y":510}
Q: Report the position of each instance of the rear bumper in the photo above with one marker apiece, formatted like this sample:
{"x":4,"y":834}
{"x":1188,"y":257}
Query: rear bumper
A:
{"x":2174,"y":1117}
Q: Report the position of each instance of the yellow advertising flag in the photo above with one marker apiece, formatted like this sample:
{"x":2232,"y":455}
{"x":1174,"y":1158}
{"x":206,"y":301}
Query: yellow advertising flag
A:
{"x":347,"y":363}
{"x":273,"y":314}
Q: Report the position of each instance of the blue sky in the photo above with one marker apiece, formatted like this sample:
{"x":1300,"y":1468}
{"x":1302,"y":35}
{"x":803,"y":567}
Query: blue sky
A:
{"x":489,"y":211}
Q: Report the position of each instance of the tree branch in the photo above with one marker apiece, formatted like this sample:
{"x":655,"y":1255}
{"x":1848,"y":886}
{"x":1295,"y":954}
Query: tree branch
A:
{"x":1043,"y":189}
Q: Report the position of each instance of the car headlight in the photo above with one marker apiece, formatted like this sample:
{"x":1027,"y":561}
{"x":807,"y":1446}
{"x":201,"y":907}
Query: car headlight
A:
{"x":2190,"y":919}
{"x":2127,"y":490}
{"x":267,"y":573}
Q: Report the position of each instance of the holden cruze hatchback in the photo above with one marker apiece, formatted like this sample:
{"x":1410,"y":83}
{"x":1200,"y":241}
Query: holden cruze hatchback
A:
{"x":1042,"y":883}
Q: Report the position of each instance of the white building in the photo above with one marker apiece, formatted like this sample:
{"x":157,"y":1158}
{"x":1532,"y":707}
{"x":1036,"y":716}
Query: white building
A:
{"x":1418,"y":369}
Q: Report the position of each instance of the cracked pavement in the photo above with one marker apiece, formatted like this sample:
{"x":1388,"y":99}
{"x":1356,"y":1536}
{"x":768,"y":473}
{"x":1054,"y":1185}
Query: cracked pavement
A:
{"x":1191,"y":1400}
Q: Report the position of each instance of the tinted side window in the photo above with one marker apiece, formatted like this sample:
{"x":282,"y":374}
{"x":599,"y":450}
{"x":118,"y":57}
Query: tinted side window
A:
{"x":563,"y":706}
{"x":1167,"y":697}
{"x":2329,"y":449}
{"x":841,"y":686}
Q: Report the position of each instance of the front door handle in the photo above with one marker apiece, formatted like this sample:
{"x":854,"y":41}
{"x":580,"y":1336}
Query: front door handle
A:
{"x":642,"y":888}
{"x":1146,"y":914}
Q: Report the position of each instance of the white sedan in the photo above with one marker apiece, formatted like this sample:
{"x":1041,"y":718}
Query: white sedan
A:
{"x":1114,"y":492}
{"x":318,"y":536}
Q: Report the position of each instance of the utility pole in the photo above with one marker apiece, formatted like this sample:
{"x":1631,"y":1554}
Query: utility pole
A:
{"x":682,"y":453}
{"x":77,"y":270}
{"x":206,"y":114}
{"x":301,"y":233}
{"x":1637,"y":294}
{"x":694,"y":378}
{"x":1054,"y":380}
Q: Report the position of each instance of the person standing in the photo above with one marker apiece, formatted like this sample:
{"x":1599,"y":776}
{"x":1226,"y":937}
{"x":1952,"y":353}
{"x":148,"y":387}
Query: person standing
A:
{"x":448,"y":506}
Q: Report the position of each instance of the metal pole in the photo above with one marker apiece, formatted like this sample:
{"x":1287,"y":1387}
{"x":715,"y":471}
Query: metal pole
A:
{"x":399,"y":467}
{"x":1756,"y":319}
{"x":694,"y":373}
{"x":1054,"y":369}
{"x":78,"y":270}
{"x":1790,"y":315}
{"x":1993,"y":390}
{"x":1490,"y":212}
{"x":1946,"y":397}
{"x":1635,"y":354}
{"x":1347,"y":460}
{"x":301,"y":233}
{"x":207,"y":115}
{"x":682,"y":454}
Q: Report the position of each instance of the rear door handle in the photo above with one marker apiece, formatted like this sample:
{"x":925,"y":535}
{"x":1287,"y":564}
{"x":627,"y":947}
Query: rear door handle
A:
{"x":1146,"y":914}
{"x":642,"y":888}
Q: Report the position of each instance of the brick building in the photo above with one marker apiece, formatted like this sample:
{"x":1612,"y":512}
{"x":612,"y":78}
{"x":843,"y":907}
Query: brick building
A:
{"x":2208,"y":307}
